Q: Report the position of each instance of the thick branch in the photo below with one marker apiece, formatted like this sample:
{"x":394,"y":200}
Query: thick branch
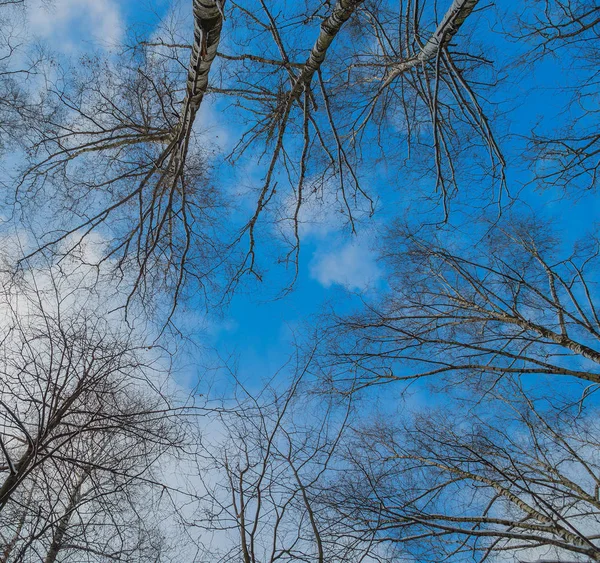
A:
{"x":456,"y":15}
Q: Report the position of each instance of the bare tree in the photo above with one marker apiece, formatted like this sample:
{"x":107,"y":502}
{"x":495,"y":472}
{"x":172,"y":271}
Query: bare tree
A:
{"x":98,"y":156}
{"x":515,"y":303}
{"x":84,"y":422}
{"x":565,"y":152}
{"x":125,"y":154}
{"x":91,"y":515}
{"x":318,"y":93}
{"x":264,"y":475}
{"x":21,"y":64}
{"x":515,"y":477}
{"x":510,"y":326}
{"x":333,"y":84}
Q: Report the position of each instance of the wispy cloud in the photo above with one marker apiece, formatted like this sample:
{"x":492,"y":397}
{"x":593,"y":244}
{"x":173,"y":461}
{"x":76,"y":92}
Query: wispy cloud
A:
{"x":352,"y":265}
{"x":339,"y":258}
{"x":75,"y":25}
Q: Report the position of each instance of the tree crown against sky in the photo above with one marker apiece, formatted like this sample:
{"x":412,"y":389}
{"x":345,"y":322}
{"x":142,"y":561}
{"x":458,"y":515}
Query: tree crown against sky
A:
{"x":338,"y":102}
{"x":422,"y":174}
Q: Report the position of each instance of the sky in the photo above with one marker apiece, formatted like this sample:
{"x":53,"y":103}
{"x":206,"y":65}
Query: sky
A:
{"x":257,"y":326}
{"x":335,"y":266}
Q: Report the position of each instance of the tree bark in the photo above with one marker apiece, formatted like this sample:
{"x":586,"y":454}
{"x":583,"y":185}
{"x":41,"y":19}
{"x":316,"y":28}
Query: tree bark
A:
{"x":456,"y":15}
{"x":61,"y":530}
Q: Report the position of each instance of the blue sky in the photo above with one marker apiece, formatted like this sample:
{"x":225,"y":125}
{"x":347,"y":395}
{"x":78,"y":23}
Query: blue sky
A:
{"x":337,"y":269}
{"x":257,"y":326}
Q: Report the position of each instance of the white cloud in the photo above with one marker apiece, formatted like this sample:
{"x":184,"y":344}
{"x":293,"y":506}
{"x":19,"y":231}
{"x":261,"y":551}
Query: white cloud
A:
{"x":73,"y":25}
{"x":339,"y":258}
{"x":321,"y":214}
{"x":352,"y":265}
